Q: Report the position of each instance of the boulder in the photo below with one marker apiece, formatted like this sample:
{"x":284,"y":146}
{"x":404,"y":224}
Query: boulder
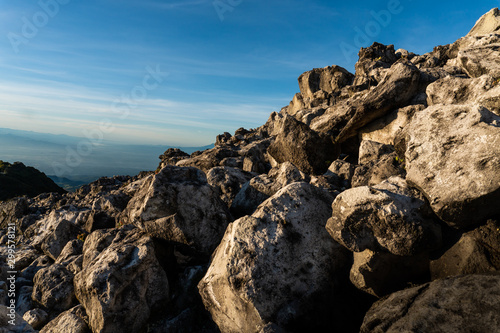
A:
{"x":308,"y":150}
{"x":72,"y":321}
{"x":329,"y":79}
{"x":477,"y":251}
{"x":53,"y":288}
{"x":42,"y":261}
{"x":388,"y":217}
{"x":178,"y":205}
{"x":24,"y":301}
{"x":256,"y":276}
{"x":37,"y":318}
{"x":372,"y":64}
{"x":227,"y":182}
{"x":373,"y":151}
{"x":376,"y":171}
{"x":171,"y":156}
{"x":63,"y":232}
{"x":478,"y":55}
{"x":71,"y":256}
{"x":121,"y":282}
{"x":487,"y":24}
{"x":380,"y":274}
{"x":453,"y":157}
{"x":344,"y":170}
{"x":467,"y":303}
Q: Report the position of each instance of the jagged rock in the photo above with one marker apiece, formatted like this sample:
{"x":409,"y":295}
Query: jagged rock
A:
{"x":344,"y":170}
{"x":453,"y":157}
{"x":37,"y":318}
{"x":388,"y":217}
{"x":372,"y":63}
{"x":71,"y":256}
{"x":372,"y":151}
{"x":178,"y":205}
{"x":487,"y":24}
{"x":11,"y":211}
{"x":478,"y":55}
{"x":171,"y":157}
{"x":452,"y":90}
{"x":259,"y":188}
{"x":53,"y":288}
{"x":467,"y":303}
{"x":8,"y":316}
{"x":121,"y":281}
{"x":227,"y":182}
{"x":329,"y":79}
{"x":376,"y":171}
{"x":42,"y":261}
{"x":395,"y":90}
{"x":477,"y":251}
{"x":211,"y":158}
{"x":379,"y":273}
{"x":63,"y":232}
{"x":256,"y":276}
{"x":386,"y":129}
{"x":72,"y":321}
{"x":306,"y":149}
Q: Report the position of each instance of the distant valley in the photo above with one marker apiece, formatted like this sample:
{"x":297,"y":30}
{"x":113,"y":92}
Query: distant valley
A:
{"x":57,"y":156}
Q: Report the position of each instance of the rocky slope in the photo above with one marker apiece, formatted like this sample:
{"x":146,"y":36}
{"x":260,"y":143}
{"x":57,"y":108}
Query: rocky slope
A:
{"x":17,"y":180}
{"x":371,"y":203}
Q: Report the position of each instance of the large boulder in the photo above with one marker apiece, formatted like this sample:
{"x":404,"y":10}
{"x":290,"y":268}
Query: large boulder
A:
{"x":178,"y":205}
{"x":477,"y":251}
{"x":487,"y":24}
{"x":468,"y":303}
{"x":121,"y":282}
{"x":278,"y":266}
{"x":453,"y":157}
{"x":53,"y":288}
{"x":388,"y":217}
{"x":329,"y":79}
{"x":308,"y":150}
{"x":227,"y":182}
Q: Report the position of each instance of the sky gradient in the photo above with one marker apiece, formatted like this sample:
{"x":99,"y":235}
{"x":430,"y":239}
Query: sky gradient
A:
{"x":181,"y":72}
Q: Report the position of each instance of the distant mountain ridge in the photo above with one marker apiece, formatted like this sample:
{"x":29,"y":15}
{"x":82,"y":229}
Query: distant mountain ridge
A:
{"x":18,"y":180}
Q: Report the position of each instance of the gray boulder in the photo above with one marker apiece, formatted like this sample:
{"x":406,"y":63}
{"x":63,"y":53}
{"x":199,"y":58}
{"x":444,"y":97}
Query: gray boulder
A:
{"x":467,"y":303}
{"x":121,"y":281}
{"x":278,"y":265}
{"x":53,"y":288}
{"x":178,"y":205}
{"x":453,"y":157}
{"x":227,"y":182}
{"x":72,"y":321}
{"x":37,"y":318}
{"x":387,"y":217}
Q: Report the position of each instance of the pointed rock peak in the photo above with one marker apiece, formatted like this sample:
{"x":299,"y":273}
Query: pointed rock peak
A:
{"x":488,"y":23}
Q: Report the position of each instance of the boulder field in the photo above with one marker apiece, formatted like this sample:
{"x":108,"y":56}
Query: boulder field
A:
{"x":371,"y":203}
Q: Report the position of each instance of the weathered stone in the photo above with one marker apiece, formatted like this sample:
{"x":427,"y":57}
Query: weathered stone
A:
{"x":373,"y":151}
{"x":344,"y":170}
{"x":71,"y":256}
{"x":37,"y":318}
{"x":99,"y":220}
{"x":379,"y":273}
{"x":375,"y":172}
{"x":227,"y":182}
{"x":256,"y":277}
{"x":121,"y":281}
{"x":477,"y":251}
{"x":39,"y":263}
{"x":487,"y":24}
{"x":54,"y":288}
{"x":178,"y":205}
{"x":308,"y":150}
{"x":389,"y":217}
{"x":373,"y":63}
{"x":24,"y":302}
{"x":63,"y":232}
{"x":453,"y":157}
{"x":71,"y":321}
{"x":329,"y":79}
{"x":467,"y":303}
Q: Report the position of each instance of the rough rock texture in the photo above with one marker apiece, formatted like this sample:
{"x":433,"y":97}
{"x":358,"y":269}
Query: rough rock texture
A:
{"x":477,"y":251}
{"x":37,"y":318}
{"x":227,"y":182}
{"x":178,"y":205}
{"x":53,"y":288}
{"x":256,"y":277}
{"x":72,"y":321}
{"x":488,"y":23}
{"x":121,"y":281}
{"x":388,"y":217}
{"x":303,"y":147}
{"x":467,"y":303}
{"x":461,"y":194}
{"x":379,"y":273}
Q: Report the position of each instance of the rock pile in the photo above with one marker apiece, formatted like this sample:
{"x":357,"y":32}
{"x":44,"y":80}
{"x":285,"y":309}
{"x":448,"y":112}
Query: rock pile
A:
{"x":369,"y":204}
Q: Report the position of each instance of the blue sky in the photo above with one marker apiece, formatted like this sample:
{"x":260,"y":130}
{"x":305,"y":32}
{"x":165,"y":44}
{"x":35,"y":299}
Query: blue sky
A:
{"x":230,"y":63}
